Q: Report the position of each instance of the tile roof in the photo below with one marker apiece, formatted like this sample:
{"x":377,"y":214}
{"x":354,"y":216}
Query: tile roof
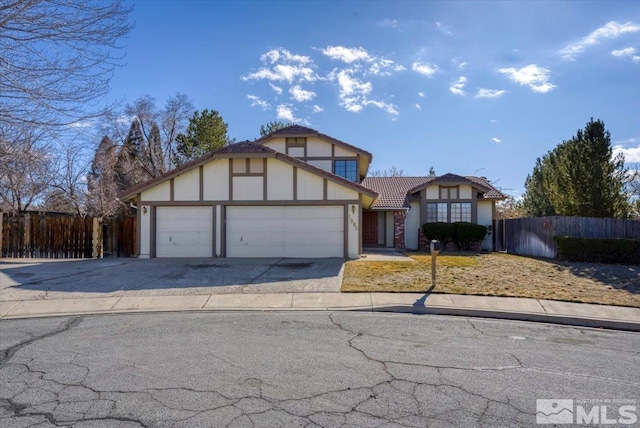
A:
{"x":244,"y":147}
{"x":395,"y":192}
{"x":303,"y":130}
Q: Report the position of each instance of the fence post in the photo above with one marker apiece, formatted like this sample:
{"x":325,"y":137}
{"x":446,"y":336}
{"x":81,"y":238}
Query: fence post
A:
{"x":96,"y":238}
{"x":1,"y":231}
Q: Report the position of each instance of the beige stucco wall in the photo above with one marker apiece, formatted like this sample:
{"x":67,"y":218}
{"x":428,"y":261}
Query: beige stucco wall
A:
{"x":411,"y":226}
{"x":389,"y":227}
{"x":145,"y":231}
{"x":277,"y":144}
{"x":342,"y":152}
{"x":325,"y":165}
{"x":248,"y":188}
{"x":465,"y":192}
{"x":186,"y":186}
{"x":485,"y":218}
{"x":318,"y":148}
{"x":216,"y":180}
{"x":433,"y":192}
{"x":279,"y":181}
{"x":336,"y":191}
{"x":160,"y":192}
{"x":353,"y":230}
{"x":310,"y":187}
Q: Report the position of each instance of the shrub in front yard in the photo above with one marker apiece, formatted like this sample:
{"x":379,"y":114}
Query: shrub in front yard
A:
{"x":443,"y":232}
{"x":466,"y":234}
{"x":617,"y":251}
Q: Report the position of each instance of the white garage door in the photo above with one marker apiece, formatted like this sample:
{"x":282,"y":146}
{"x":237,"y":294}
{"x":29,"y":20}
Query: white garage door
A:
{"x":184,"y":231}
{"x":308,"y":231}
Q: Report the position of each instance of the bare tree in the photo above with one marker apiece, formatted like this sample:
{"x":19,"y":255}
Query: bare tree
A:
{"x":69,"y":183}
{"x":174,"y":120}
{"x":25,"y":167}
{"x":391,"y":172}
{"x":57,"y":58}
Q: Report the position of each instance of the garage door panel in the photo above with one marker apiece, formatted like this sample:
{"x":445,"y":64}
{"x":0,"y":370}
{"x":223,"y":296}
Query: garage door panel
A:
{"x":184,"y":232}
{"x":308,"y":231}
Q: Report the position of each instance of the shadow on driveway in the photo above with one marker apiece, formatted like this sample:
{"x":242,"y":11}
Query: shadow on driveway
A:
{"x":46,"y":277}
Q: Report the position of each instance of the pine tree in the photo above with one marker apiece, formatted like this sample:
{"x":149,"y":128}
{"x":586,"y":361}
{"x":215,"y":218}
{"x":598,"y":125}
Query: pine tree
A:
{"x":579,"y":178}
{"x":206,"y":131}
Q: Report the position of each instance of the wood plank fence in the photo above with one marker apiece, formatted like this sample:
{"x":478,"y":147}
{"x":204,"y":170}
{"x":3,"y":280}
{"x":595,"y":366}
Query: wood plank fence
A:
{"x":55,"y":235}
{"x":533,"y":236}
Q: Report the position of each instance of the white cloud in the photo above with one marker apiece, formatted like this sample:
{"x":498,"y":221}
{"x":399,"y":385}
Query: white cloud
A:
{"x":383,"y":67}
{"x":424,"y":68}
{"x":457,"y":88}
{"x":283,"y":66}
{"x":285,"y":112}
{"x":257,"y":101}
{"x":418,"y":106}
{"x":354,"y":92}
{"x":276,"y":89}
{"x":347,"y":55}
{"x":490,"y":93}
{"x":443,"y":28}
{"x":459,"y":63}
{"x":631,"y":154}
{"x":86,"y":124}
{"x":536,"y":78}
{"x":610,"y":30}
{"x":496,"y":140}
{"x":493,"y":120}
{"x":276,"y":54}
{"x":627,"y":52}
{"x":421,"y":94}
{"x":300,"y":95}
{"x":317,"y":109}
{"x":393,"y":23}
{"x":624,"y":52}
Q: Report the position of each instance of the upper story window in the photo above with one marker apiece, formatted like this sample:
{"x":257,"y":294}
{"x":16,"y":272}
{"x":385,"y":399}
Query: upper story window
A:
{"x":346,"y":169}
{"x":448,"y":193}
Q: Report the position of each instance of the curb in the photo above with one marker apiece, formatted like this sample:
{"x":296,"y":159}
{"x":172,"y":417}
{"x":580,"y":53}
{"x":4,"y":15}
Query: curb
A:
{"x":566,"y":320}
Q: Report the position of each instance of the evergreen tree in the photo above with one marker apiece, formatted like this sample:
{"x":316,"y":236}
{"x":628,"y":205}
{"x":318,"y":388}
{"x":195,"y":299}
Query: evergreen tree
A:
{"x":129,"y":169}
{"x":206,"y":131}
{"x":155,"y":155}
{"x":101,"y":180}
{"x":273,"y":127}
{"x":579,"y":178}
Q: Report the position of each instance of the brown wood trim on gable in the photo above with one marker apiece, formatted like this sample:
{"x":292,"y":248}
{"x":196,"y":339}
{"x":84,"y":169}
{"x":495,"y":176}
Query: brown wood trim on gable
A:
{"x":295,"y":183}
{"x":259,"y":202}
{"x":201,"y":180}
{"x":152,"y":227}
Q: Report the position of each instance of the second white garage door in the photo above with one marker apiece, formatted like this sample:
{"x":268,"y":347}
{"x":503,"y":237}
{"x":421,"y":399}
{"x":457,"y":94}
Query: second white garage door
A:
{"x":305,"y":231}
{"x":184,"y":231}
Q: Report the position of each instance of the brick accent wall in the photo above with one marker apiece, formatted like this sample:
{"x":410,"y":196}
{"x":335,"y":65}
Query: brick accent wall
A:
{"x":398,"y":229}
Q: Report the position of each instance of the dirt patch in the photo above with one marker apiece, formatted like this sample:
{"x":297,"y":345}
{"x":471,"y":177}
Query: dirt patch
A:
{"x":497,"y":274}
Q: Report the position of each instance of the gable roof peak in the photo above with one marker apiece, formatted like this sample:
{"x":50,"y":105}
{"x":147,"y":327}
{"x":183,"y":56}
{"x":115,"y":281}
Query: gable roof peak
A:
{"x":293,"y":129}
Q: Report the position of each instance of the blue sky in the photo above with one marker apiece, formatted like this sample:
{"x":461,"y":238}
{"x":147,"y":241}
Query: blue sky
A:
{"x":471,"y":87}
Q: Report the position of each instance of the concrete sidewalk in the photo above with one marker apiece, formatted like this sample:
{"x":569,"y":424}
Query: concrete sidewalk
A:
{"x":587,"y":315}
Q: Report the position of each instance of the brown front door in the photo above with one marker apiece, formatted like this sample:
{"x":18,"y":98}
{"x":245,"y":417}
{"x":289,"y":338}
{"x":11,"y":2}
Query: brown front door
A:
{"x":370,"y":228}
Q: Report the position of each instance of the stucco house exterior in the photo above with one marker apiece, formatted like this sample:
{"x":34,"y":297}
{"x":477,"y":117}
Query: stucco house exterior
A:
{"x":295,"y":193}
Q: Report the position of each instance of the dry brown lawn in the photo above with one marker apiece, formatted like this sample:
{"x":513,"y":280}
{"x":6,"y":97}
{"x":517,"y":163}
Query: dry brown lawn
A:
{"x":496,"y":274}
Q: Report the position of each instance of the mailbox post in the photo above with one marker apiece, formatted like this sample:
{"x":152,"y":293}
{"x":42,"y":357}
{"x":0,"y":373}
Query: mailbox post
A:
{"x":435,"y":247}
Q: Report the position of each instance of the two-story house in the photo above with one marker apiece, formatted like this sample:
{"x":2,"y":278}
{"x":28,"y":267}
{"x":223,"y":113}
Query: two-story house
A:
{"x":295,"y":193}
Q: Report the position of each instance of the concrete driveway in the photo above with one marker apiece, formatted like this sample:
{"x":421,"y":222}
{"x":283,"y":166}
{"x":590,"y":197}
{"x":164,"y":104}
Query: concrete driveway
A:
{"x":23,"y":279}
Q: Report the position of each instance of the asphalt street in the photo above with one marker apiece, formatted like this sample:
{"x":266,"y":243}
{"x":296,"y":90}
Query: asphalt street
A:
{"x":290,"y":369}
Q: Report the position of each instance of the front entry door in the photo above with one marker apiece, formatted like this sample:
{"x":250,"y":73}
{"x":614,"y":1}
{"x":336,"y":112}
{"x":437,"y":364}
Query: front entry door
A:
{"x":370,"y":228}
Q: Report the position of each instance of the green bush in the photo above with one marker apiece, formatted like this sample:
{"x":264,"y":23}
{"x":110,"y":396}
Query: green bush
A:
{"x":467,"y":234}
{"x":443,"y":232}
{"x":615,"y":251}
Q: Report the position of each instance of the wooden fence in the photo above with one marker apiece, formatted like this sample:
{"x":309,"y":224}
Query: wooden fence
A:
{"x":533,"y":236}
{"x":54,"y":235}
